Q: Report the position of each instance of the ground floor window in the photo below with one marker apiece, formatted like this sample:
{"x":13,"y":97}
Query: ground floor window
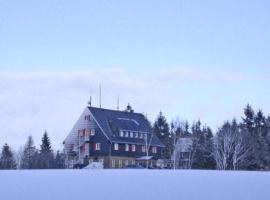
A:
{"x":126,"y":162}
{"x":120,"y":163}
{"x":113,"y":163}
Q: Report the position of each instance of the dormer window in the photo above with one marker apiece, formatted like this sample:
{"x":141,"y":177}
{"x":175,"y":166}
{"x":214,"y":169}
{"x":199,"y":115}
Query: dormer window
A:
{"x":135,"y":134}
{"x":131,"y":134}
{"x":127,"y":134}
{"x":121,"y":134}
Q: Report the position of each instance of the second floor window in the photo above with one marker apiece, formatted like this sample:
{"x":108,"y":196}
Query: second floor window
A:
{"x":116,"y":147}
{"x":92,"y":132}
{"x":143,"y":149}
{"x":154,"y":149}
{"x":97,"y":146}
{"x":133,"y":147}
{"x":126,"y":147}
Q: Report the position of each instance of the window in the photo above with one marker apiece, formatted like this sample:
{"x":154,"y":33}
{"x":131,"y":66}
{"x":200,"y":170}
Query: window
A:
{"x":87,"y":117}
{"x":131,"y":134}
{"x":143,"y":149}
{"x":120,"y":163}
{"x":135,"y":135}
{"x":154,"y":149}
{"x":97,"y":146}
{"x":126,"y":147}
{"x":141,"y":135}
{"x":121,"y":134}
{"x":133,"y":147}
{"x":133,"y":162}
{"x":126,"y":162}
{"x":116,"y":147}
{"x":127,"y":134}
{"x":92,"y":132}
{"x":113,"y":163}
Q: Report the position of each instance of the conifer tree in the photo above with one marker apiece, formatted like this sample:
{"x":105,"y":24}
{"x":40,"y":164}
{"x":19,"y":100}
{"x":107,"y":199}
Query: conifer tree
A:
{"x":46,"y":158}
{"x":162,"y":131}
{"x":7,"y":160}
{"x":29,"y":158}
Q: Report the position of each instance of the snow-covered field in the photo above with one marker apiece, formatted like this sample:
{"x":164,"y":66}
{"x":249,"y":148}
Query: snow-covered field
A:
{"x":133,"y":184}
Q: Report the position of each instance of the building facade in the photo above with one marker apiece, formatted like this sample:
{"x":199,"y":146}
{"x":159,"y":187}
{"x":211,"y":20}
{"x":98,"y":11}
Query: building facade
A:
{"x":114,"y":138}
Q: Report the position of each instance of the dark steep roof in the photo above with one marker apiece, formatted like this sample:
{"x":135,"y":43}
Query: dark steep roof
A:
{"x":111,"y":121}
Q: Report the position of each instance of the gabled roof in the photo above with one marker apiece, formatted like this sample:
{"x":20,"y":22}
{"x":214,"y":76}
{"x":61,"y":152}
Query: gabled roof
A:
{"x":112,"y":121}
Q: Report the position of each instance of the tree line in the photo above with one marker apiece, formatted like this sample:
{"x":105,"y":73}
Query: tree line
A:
{"x":243,"y":145}
{"x":31,"y":157}
{"x":236,"y":145}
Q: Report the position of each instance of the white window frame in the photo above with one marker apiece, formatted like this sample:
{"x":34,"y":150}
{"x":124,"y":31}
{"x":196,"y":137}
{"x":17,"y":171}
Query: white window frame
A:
{"x":98,"y":146}
{"x":120,"y":163}
{"x":113,"y":163}
{"x":133,"y":148}
{"x":131,"y":134}
{"x":92,"y":132}
{"x":121,"y":133}
{"x":143,"y":149}
{"x":126,"y":147}
{"x":116,"y":146}
{"x":154,"y":149}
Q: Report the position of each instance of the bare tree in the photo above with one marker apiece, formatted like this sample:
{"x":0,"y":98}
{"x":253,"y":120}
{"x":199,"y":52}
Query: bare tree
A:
{"x":230,"y":148}
{"x":148,"y":141}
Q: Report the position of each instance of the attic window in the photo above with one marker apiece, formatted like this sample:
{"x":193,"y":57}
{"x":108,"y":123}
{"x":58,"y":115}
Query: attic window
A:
{"x":87,"y":117}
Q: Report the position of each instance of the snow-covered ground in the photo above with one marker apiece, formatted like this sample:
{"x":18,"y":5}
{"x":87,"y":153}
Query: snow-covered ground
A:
{"x":133,"y":184}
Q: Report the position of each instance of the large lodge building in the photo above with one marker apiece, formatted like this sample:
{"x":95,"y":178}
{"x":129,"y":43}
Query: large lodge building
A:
{"x":114,"y":138}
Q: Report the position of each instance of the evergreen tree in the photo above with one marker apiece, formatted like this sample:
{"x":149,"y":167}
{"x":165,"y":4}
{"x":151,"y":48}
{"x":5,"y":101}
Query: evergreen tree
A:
{"x":262,"y":143}
{"x":202,"y":147}
{"x":162,"y":131}
{"x":46,"y":158}
{"x":29,"y":158}
{"x":7,"y":160}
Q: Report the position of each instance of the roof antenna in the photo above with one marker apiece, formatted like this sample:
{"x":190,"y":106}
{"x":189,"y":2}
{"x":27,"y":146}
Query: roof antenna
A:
{"x":99,"y":95}
{"x":118,"y":102}
{"x":90,"y":101}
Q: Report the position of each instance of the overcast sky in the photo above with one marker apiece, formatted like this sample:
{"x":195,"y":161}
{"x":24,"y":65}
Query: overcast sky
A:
{"x":191,"y":59}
